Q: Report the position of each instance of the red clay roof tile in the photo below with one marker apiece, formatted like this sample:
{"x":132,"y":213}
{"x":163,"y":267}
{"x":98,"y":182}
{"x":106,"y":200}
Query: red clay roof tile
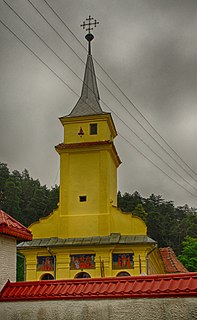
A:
{"x":160,"y":286}
{"x":171,"y":263}
{"x":9,"y":226}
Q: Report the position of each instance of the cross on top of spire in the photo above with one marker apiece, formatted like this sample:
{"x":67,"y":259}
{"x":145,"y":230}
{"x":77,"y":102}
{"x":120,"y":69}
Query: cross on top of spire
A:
{"x":91,"y":22}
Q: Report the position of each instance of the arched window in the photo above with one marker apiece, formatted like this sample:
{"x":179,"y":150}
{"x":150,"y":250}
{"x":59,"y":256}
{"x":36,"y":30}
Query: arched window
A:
{"x":123,"y":274}
{"x":47,"y":276}
{"x":82,"y":275}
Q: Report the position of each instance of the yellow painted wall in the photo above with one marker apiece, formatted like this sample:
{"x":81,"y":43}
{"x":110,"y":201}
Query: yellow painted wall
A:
{"x":105,"y":125}
{"x":155,"y":263}
{"x":90,"y":173}
{"x":88,"y":225}
{"x":103,"y":253}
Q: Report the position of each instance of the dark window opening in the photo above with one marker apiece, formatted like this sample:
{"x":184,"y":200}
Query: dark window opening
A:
{"x":82,"y":275}
{"x":123,"y":274}
{"x":82,"y":198}
{"x":47,"y":276}
{"x":93,"y":128}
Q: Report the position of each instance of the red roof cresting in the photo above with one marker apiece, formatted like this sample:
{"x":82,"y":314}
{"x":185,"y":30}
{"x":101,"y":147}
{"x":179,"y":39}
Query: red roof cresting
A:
{"x":9,"y":226}
{"x":154,"y":286}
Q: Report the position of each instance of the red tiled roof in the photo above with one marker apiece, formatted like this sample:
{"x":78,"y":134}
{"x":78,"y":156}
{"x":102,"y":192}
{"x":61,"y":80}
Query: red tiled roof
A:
{"x":11,"y":227}
{"x":171,"y":263}
{"x":154,"y":286}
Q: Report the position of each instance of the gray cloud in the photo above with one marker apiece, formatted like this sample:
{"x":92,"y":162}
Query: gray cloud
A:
{"x":148,"y":47}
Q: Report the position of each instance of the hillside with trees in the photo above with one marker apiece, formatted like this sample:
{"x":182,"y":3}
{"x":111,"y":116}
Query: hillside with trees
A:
{"x":167,"y":224}
{"x":24,"y":198}
{"x":27,"y":201}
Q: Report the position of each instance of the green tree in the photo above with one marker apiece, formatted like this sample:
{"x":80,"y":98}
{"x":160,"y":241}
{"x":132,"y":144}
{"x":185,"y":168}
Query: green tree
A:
{"x":23,"y":197}
{"x":12,"y":199}
{"x":140,"y":212}
{"x":189,"y":254}
{"x":127,"y":202}
{"x":4,"y":176}
{"x":53,"y":198}
{"x":20,"y":267}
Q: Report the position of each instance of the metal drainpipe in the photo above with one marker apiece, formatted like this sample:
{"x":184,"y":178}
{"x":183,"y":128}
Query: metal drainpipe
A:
{"x":147,"y":256}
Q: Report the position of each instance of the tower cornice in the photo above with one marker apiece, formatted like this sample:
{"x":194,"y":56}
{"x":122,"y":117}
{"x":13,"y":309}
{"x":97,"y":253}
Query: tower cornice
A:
{"x":85,"y":146}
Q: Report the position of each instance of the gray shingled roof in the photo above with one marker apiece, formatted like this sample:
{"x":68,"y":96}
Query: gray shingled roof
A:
{"x":88,"y":102}
{"x":114,"y":238}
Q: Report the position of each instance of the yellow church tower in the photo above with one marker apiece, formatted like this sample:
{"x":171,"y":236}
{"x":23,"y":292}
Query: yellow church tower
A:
{"x":88,"y":163}
{"x":87,"y":235}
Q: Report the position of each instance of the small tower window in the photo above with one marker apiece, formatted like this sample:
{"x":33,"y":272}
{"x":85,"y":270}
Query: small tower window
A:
{"x":82,"y":198}
{"x":93,"y":128}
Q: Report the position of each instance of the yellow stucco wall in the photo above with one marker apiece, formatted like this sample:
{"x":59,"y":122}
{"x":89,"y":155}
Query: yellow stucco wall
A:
{"x":104,"y":253}
{"x":88,"y":225}
{"x":106,"y":129}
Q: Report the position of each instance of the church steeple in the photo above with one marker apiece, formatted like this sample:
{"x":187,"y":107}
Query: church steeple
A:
{"x":87,"y":228}
{"x":88,"y":103}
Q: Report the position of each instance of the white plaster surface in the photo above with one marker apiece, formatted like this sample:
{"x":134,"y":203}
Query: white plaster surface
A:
{"x":111,"y":309}
{"x":7,"y":260}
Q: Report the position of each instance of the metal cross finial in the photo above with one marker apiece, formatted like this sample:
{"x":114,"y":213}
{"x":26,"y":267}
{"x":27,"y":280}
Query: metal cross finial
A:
{"x":89,"y":24}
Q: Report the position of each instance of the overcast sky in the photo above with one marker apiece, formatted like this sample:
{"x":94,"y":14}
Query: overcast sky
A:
{"x":149,"y":49}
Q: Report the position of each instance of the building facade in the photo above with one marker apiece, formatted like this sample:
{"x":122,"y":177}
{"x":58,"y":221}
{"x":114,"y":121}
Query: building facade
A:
{"x":87,"y":235}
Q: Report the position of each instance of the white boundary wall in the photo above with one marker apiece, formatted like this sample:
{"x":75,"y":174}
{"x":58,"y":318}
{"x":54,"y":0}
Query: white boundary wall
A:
{"x":7,"y":260}
{"x":107,"y":309}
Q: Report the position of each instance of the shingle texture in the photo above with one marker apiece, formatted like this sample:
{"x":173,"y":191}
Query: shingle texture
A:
{"x":114,"y":238}
{"x":88,"y":103}
{"x":9,"y":226}
{"x":171,"y":263}
{"x":159,"y":286}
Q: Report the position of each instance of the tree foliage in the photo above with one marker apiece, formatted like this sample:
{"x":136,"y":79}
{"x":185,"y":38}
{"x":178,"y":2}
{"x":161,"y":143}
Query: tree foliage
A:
{"x":189,"y":254}
{"x":24,"y":198}
{"x":167,"y":224}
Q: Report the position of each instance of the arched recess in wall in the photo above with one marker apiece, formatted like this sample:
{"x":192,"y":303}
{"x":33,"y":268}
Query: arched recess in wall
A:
{"x":47,"y":276}
{"x":123,"y":274}
{"x":82,"y":275}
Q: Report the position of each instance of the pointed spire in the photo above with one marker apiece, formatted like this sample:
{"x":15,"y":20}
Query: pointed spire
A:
{"x":88,"y":102}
